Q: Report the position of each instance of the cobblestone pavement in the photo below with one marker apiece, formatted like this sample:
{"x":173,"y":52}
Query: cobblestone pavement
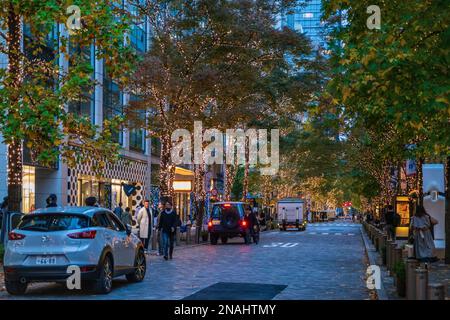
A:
{"x":327,"y":261}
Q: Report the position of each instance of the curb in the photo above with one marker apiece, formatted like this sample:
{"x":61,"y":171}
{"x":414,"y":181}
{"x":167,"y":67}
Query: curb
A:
{"x":372,"y":254}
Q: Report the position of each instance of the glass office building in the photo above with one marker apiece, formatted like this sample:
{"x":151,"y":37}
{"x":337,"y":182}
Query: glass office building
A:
{"x":306,"y":19}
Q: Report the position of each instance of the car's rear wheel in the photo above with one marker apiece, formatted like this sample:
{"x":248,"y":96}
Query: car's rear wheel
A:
{"x":16,"y":287}
{"x":104,"y":282}
{"x":224,"y":239}
{"x":140,"y":267}
{"x":214,"y":239}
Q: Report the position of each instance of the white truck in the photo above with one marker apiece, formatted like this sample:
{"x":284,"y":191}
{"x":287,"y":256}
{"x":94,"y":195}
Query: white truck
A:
{"x":291,"y":213}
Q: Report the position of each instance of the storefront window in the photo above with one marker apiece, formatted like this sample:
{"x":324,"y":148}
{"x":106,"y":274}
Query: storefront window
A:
{"x":28,"y":189}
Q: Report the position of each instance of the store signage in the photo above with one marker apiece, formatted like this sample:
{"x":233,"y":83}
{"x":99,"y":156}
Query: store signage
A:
{"x":182,"y":185}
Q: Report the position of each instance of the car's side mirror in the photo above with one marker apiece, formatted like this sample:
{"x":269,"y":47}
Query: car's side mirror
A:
{"x":128,"y":229}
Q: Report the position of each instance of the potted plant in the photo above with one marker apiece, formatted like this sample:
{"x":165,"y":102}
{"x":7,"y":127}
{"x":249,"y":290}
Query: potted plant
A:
{"x":400,"y":274}
{"x":205,"y":234}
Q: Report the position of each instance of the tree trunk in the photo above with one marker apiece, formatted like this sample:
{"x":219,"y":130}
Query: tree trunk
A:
{"x":167,"y":170}
{"x":230,"y":171}
{"x":13,"y":84}
{"x":447,"y":211}
{"x":200,"y":195}
{"x":246,"y":171}
{"x":420,"y":180}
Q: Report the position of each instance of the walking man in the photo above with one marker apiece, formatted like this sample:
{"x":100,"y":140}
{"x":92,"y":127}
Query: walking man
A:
{"x":118,"y":211}
{"x":167,"y":225}
{"x":144,"y":221}
{"x":51,"y":201}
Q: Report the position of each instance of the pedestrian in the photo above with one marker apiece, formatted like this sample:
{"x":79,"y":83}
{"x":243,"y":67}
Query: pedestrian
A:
{"x":126,"y":217}
{"x":252,"y":225}
{"x":51,"y":201}
{"x":3,"y":210}
{"x":4,"y":206}
{"x":118,"y":211}
{"x":388,"y":217}
{"x":167,"y":225}
{"x":91,"y":202}
{"x":423,"y":240}
{"x":160,"y":242}
{"x":144,"y":221}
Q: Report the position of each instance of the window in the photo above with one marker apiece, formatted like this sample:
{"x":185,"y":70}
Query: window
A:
{"x":112,"y":101}
{"x":116,"y":224}
{"x":84,"y":104}
{"x":137,"y":135}
{"x":53,"y":222}
{"x":101,"y":220}
{"x":156,"y":146}
{"x":308,"y":15}
{"x":28,"y":189}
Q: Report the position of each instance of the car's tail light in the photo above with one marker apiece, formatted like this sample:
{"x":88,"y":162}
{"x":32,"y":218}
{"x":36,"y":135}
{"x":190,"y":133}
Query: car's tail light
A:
{"x":83,"y":235}
{"x":227,"y":205}
{"x":210,"y":224}
{"x":87,"y":268}
{"x":243,"y":223}
{"x":15,"y":236}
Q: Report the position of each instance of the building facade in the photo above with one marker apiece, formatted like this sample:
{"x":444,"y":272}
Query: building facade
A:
{"x":127,"y":181}
{"x":306,"y":18}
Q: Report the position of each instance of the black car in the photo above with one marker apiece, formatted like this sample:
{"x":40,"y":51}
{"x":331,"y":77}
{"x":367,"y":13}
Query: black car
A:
{"x":227,"y":221}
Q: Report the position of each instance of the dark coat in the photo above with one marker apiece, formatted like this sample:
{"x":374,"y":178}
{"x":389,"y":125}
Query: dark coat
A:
{"x":251,"y":220}
{"x":167,"y":221}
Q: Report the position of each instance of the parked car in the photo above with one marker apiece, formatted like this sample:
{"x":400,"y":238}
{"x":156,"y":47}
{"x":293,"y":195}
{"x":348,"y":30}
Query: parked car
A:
{"x":227,"y":221}
{"x":48,"y":241}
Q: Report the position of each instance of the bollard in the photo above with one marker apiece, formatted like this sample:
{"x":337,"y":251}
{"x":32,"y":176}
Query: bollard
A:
{"x":397,"y":257}
{"x":390,"y":250}
{"x":382,"y":241}
{"x":421,"y":283}
{"x":411,"y":266}
{"x":188,"y":235}
{"x":436,"y":291}
{"x":177,"y":237}
{"x":154,"y":238}
{"x":388,"y":253}
{"x":375,"y":240}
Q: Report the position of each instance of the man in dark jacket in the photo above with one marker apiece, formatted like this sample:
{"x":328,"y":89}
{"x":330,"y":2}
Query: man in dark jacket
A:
{"x":51,"y":201}
{"x":252,"y":223}
{"x":389,"y":217}
{"x":167,"y":225}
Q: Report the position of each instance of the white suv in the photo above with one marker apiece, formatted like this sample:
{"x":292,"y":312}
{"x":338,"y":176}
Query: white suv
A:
{"x":48,"y":241}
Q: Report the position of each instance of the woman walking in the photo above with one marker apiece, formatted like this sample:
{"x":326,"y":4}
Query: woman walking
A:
{"x":421,"y":225}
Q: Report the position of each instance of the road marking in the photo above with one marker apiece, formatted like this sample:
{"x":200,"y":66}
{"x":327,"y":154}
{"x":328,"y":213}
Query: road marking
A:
{"x":325,"y":233}
{"x":281,"y":245}
{"x":289,"y":245}
{"x":338,"y":234}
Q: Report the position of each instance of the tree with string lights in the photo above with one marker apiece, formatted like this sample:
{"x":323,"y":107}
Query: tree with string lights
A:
{"x":35,"y":86}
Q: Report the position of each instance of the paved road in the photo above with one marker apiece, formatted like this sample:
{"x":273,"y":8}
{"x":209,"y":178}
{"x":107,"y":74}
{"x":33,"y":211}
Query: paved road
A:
{"x":327,"y":261}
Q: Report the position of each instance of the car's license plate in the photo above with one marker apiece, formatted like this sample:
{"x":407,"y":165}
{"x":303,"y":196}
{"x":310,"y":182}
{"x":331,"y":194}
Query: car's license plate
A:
{"x":216,"y":222}
{"x":45,"y":260}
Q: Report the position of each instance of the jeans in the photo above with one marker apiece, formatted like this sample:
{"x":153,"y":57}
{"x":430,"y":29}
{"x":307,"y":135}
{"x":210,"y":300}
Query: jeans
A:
{"x":145,"y":241}
{"x":167,"y":240}
{"x":160,"y":243}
